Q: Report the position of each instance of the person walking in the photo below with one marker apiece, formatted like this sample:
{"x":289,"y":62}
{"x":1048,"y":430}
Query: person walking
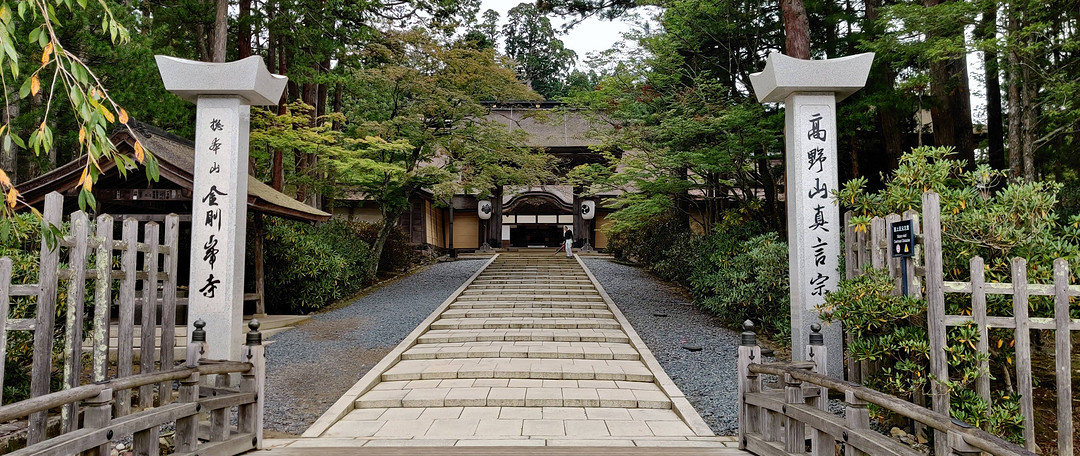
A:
{"x":568,"y":242}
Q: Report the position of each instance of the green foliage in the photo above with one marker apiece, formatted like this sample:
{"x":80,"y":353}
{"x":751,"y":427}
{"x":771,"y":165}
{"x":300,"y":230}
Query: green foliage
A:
{"x":888,"y":333}
{"x":886,"y":330}
{"x":739,"y":278}
{"x":1018,"y":220}
{"x":311,"y":266}
{"x":736,"y":273}
{"x":541,"y":58}
{"x":686,"y":118}
{"x":397,"y":255}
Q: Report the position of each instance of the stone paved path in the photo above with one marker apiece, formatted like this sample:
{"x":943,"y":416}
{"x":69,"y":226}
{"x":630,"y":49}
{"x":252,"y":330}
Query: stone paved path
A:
{"x":530,"y":351}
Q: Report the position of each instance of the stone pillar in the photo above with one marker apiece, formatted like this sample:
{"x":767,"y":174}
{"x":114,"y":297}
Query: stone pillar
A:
{"x":809,"y":90}
{"x":223,"y":94}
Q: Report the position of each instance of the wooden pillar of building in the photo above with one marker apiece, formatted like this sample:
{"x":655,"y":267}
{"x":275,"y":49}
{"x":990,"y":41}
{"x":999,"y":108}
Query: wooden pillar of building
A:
{"x":494,"y":225}
{"x":260,"y":270}
{"x":580,"y":224}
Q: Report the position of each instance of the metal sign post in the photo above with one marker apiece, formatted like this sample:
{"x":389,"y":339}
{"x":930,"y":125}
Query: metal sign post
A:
{"x":903,"y":247}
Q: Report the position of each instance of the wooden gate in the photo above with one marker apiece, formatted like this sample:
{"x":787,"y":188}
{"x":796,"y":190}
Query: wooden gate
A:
{"x":123,"y":399}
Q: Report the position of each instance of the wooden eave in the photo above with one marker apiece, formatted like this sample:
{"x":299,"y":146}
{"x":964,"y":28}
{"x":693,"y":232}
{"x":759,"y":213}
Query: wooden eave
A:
{"x":176,"y":164}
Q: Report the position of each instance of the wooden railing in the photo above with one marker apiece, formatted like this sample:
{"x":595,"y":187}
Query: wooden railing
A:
{"x":794,"y":417}
{"x":100,"y":427}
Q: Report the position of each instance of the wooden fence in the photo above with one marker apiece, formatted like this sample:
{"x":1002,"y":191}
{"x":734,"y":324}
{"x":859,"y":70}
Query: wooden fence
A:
{"x":779,"y":421}
{"x":872,"y":249}
{"x":112,"y":392}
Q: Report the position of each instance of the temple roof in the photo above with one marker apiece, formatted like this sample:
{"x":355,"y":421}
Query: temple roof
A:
{"x":176,"y":163}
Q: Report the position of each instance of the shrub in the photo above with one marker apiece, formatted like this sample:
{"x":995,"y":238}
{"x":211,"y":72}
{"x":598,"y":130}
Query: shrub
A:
{"x":310,"y":266}
{"x":745,"y":279}
{"x":888,"y":332}
{"x":20,"y":240}
{"x":397,"y":254}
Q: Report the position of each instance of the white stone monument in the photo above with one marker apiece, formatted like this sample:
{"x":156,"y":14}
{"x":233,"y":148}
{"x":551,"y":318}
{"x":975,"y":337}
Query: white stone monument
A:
{"x":809,"y":90}
{"x":223,"y":94}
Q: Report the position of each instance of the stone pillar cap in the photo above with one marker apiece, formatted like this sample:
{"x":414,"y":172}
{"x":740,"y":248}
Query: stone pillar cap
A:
{"x":784,"y":75}
{"x":248,"y":79}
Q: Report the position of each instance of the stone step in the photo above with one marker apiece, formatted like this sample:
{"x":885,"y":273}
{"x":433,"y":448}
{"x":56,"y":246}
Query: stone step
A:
{"x":524,"y":335}
{"x":533,"y":286}
{"x":514,"y":290}
{"x":549,"y":282}
{"x":527,"y":305}
{"x":568,"y":350}
{"x":525,"y":323}
{"x":528,"y":297}
{"x":516,"y":393}
{"x":526,"y":313}
{"x":543,"y":369}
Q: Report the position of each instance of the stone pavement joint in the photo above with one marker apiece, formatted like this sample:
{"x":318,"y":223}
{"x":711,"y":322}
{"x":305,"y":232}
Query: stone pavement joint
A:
{"x":530,"y":351}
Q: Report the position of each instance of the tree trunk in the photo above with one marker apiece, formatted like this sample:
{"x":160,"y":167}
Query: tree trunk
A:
{"x":389,"y":221}
{"x":1016,"y":156}
{"x":221,"y":30}
{"x":884,"y":76}
{"x":951,"y":110}
{"x":796,"y":29}
{"x":243,"y":34}
{"x":1029,"y":91}
{"x":277,"y":171}
{"x":339,"y":88}
{"x":995,"y":134}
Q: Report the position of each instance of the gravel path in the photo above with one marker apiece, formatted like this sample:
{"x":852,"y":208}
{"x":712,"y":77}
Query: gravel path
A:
{"x":706,"y":377}
{"x":311,"y":366}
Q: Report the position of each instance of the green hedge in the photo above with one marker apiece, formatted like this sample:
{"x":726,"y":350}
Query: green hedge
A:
{"x":311,"y":266}
{"x":736,"y":273}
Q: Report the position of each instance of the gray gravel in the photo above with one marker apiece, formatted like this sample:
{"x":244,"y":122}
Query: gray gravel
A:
{"x":706,"y":377}
{"x":311,"y":366}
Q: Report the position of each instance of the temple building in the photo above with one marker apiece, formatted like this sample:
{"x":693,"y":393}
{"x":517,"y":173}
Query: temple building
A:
{"x":519,"y":217}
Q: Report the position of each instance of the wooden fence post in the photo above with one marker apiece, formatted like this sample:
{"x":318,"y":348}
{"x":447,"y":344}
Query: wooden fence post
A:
{"x":878,"y":238}
{"x":73,"y":328}
{"x":1023,"y":349}
{"x":98,"y":413}
{"x":148,"y":323}
{"x":794,"y":430}
{"x":250,"y":416}
{"x":821,"y":443}
{"x":749,"y":353}
{"x":46,"y":317}
{"x":125,"y":337}
{"x":168,"y":303}
{"x":914,"y":283}
{"x":978,"y":314}
{"x":187,"y":428}
{"x":935,"y":314}
{"x":858,"y":418}
{"x":1063,"y":356}
{"x":893,"y":263}
{"x":5,"y":300}
{"x":102,"y":296}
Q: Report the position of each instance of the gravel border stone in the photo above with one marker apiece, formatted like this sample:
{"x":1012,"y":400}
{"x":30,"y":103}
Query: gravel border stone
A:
{"x":707,"y":377}
{"x":311,"y":366}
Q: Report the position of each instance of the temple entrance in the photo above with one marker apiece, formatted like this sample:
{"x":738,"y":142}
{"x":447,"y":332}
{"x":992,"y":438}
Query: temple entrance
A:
{"x":536,"y":236}
{"x":537,"y":218}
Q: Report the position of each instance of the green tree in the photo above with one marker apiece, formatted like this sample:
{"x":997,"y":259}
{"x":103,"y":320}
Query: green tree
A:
{"x":684,"y":113}
{"x":418,"y":124}
{"x":542,"y":59}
